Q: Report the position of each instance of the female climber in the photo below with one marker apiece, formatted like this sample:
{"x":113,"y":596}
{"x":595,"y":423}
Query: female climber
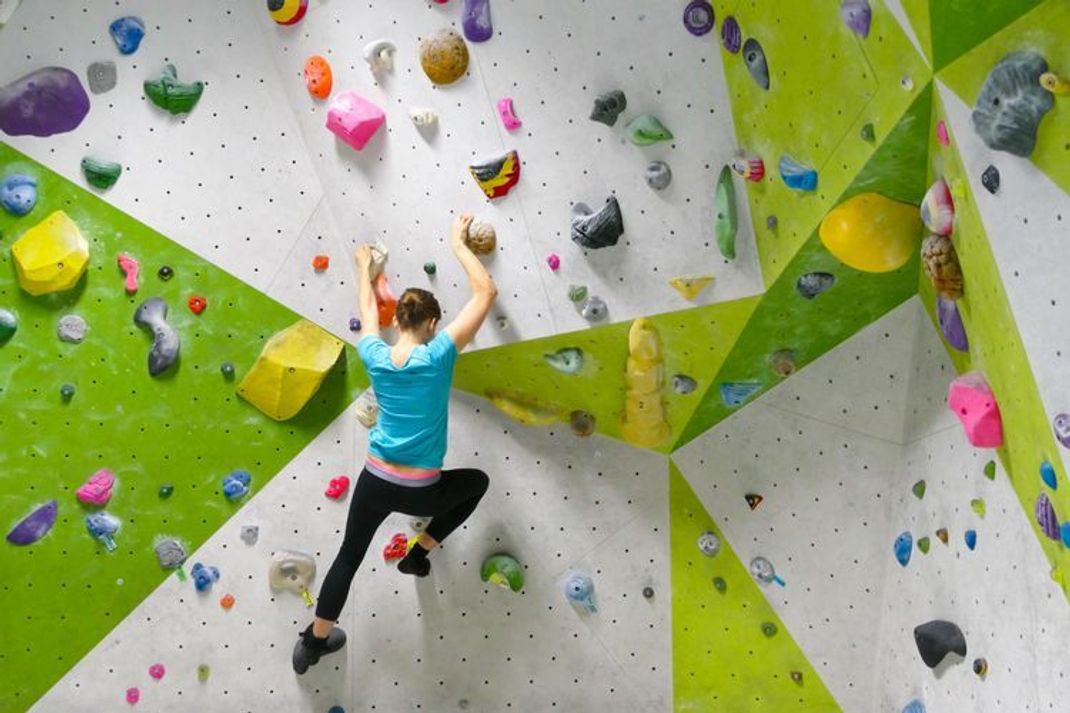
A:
{"x":403,"y":468}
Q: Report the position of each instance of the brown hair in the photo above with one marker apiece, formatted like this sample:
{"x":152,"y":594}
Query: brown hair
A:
{"x":415,"y":307}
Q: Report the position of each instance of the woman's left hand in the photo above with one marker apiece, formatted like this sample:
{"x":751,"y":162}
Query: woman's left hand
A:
{"x":363,"y":256}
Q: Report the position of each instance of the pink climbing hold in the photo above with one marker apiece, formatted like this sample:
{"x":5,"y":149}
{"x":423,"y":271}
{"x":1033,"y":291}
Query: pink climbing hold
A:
{"x":354,"y":119}
{"x":133,"y":695}
{"x":975,"y":405}
{"x":157,"y":671}
{"x":130,"y":267}
{"x":97,"y":490}
{"x":553,"y":261}
{"x":508,"y":115}
{"x":941,"y":133}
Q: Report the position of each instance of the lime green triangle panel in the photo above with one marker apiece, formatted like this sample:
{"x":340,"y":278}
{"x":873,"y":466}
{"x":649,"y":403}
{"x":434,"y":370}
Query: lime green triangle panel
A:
{"x":996,"y":350}
{"x":722,"y":660}
{"x":62,"y":594}
{"x":1043,"y":30}
{"x":918,"y":13}
{"x":694,"y":342}
{"x":826,"y":84}
{"x":960,"y":25}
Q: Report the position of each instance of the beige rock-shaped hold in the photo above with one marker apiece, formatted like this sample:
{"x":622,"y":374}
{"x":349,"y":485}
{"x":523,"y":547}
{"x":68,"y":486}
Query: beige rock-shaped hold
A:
{"x":444,"y":56}
{"x":51,"y":256}
{"x":941,"y":264}
{"x":644,"y":421}
{"x":481,"y":238}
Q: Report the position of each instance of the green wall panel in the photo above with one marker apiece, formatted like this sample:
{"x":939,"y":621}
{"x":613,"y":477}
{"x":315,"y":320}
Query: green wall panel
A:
{"x":960,"y":25}
{"x":918,"y":13}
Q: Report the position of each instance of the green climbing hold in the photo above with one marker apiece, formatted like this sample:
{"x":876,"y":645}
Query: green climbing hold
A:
{"x":769,"y":629}
{"x":100,"y":174}
{"x":726,"y":222}
{"x":869,"y":135}
{"x":172,"y":95}
{"x":9,"y":323}
{"x":645,"y":129}
{"x":978,"y":506}
{"x":165,"y":491}
{"x":430,"y":268}
{"x":923,"y":545}
{"x":577,"y":293}
{"x":720,"y":585}
{"x":919,"y":489}
{"x":503,"y":570}
{"x":990,"y":470}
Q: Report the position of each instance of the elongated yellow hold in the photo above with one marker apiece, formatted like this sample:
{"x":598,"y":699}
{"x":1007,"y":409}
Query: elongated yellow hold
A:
{"x":51,"y":256}
{"x":872,"y":233}
{"x":690,"y":287}
{"x":527,"y":409}
{"x":644,"y":421}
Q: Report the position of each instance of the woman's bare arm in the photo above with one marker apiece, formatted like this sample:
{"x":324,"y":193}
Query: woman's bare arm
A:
{"x":468,"y":321}
{"x":369,"y":310}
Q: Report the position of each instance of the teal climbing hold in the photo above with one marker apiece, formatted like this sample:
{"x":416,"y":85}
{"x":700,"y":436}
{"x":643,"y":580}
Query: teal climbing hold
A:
{"x":9,"y":324}
{"x":1047,"y":474}
{"x":735,"y":393}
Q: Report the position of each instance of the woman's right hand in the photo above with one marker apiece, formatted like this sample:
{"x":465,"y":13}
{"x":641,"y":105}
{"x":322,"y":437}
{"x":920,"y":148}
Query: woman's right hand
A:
{"x":363,"y":256}
{"x":460,"y":231}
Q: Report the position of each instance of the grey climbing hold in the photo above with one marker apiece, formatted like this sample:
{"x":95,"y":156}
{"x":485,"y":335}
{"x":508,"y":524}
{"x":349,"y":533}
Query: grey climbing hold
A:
{"x":250,"y":534}
{"x":608,"y":106}
{"x":990,"y":179}
{"x":936,"y":639}
{"x":568,"y":360}
{"x":1011,"y":104}
{"x":600,"y":229}
{"x":658,"y":175}
{"x":648,"y":592}
{"x":709,"y":544}
{"x":101,"y":76}
{"x":170,"y":553}
{"x":754,"y":58}
{"x":71,"y":328}
{"x":683,"y":384}
{"x":152,"y":315}
{"x":594,"y":309}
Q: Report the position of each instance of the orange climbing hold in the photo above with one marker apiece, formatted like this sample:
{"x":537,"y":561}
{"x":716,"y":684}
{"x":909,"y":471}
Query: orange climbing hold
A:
{"x":197,"y":304}
{"x":386,"y":301}
{"x":227,"y":601}
{"x":321,"y":263}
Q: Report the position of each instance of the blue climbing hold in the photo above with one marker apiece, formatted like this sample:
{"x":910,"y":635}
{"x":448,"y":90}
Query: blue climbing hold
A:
{"x":18,"y":194}
{"x":336,"y":709}
{"x":971,"y":539}
{"x":904,"y":545}
{"x":797,"y":176}
{"x":579,"y":587}
{"x":127,"y":33}
{"x":204,"y":576}
{"x":236,"y":485}
{"x":1047,"y":474}
{"x":915,"y":706}
{"x":1064,"y":533}
{"x":735,"y":393}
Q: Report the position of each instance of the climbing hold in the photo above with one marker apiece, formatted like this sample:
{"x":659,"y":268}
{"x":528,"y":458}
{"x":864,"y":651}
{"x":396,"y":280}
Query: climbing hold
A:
{"x":577,"y":293}
{"x":658,"y":175}
{"x":165,"y":273}
{"x":423,"y":118}
{"x":99,"y":173}
{"x":165,"y":491}
{"x":938,"y":209}
{"x":131,"y":268}
{"x":941,"y":534}
{"x":1047,"y":474}
{"x":366,"y":408}
{"x":857,"y":15}
{"x":476,"y":20}
{"x":980,"y":667}
{"x":249,"y":534}
{"x":763,"y":571}
{"x":797,"y":176}
{"x":1047,"y":520}
{"x":508,"y":114}
{"x":42,"y":103}
{"x":698,"y":17}
{"x":227,"y":601}
{"x":227,"y":370}
{"x":524,"y":408}
{"x":978,"y":506}
{"x":444,"y":56}
{"x":753,"y":500}
{"x":204,"y":671}
{"x":101,"y":76}
{"x":923,"y":545}
{"x":868,"y":133}
{"x":503,"y":570}
{"x":385,"y":300}
{"x":936,"y":639}
{"x":287,"y":12}
{"x":725,"y":219}
{"x":18,"y":193}
{"x":379,"y":54}
{"x":644,"y":423}
{"x":337,"y":488}
{"x":720,"y":584}
{"x":481,"y":238}
{"x":204,"y":576}
{"x":172,"y":95}
{"x":941,"y":264}
{"x":170,"y":553}
{"x":599,"y":229}
{"x":1064,"y":532}
{"x":769,"y":629}
{"x":942,"y":134}
{"x":690,"y":287}
{"x":915,"y":706}
{"x":646,"y":129}
{"x":904,"y":545}
{"x":497,"y":176}
{"x":971,"y":538}
{"x":608,"y":106}
{"x":990,"y":470}
{"x":321,"y":263}
{"x":1012,"y":103}
{"x":731,"y":37}
{"x":594,"y":309}
{"x":430,"y":268}
{"x":683,"y":384}
{"x":1054,"y":84}
{"x":782,"y":362}
{"x":568,"y":360}
{"x":197,"y":304}
{"x":735,"y":393}
{"x":971,"y":399}
{"x":66,"y":392}
{"x":1060,"y":424}
{"x":582,"y":423}
{"x":156,"y":671}
{"x":51,"y":256}
{"x":553,"y":261}
{"x":102,"y":527}
{"x":96,"y":490}
{"x":9,"y":324}
{"x":579,"y":588}
{"x":294,"y":572}
{"x":950,"y":321}
{"x":127,"y":33}
{"x":709,"y":544}
{"x":34,"y":526}
{"x":871,"y":233}
{"x":236,"y":485}
{"x":133,"y":695}
{"x":813,"y":284}
{"x":754,"y":58}
{"x":906,"y":83}
{"x":797,"y":677}
{"x":751,"y":169}
{"x":319,"y":78}
{"x":648,"y":592}
{"x":354,"y":119}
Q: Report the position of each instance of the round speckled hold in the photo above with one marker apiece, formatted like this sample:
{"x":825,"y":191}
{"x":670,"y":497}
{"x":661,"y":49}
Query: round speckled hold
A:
{"x":71,"y":328}
{"x":430,"y":268}
{"x":165,"y":273}
{"x":9,"y":324}
{"x":481,"y":238}
{"x":658,"y":175}
{"x":698,"y":17}
{"x":444,"y":56}
{"x":101,"y":76}
{"x":731,"y":35}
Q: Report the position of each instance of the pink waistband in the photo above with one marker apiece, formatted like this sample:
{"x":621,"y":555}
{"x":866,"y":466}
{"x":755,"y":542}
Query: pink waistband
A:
{"x":419,"y":474}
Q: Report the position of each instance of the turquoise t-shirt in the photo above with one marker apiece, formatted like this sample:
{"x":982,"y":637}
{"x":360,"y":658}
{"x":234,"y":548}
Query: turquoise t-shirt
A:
{"x":413,"y":400}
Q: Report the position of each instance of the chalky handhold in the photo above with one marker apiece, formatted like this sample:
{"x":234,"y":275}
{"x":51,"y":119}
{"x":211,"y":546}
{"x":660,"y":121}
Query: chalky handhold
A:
{"x":51,"y":256}
{"x":379,"y":54}
{"x":481,"y":238}
{"x":156,"y":671}
{"x":498,"y":175}
{"x":293,"y":572}
{"x":725,"y":219}
{"x":204,"y":576}
{"x":354,"y":119}
{"x":1047,"y":474}
{"x":507,"y":113}
{"x":582,"y":423}
{"x":971,"y":399}
{"x":936,"y":639}
{"x":941,"y":264}
{"x":287,"y":12}
{"x":18,"y":193}
{"x":754,"y":58}
{"x":1061,"y":425}
{"x":608,"y":106}
{"x":567,"y":361}
{"x":923,"y":545}
{"x":102,"y":527}
{"x":236,"y":485}
{"x":970,"y":536}
{"x":872,"y":233}
{"x":797,"y":176}
{"x":904,"y":545}
{"x":918,"y":489}
{"x":133,"y":695}
{"x":96,"y":490}
{"x":503,"y":570}
{"x":34,"y":526}
{"x":906,"y":82}
{"x":9,"y":324}
{"x":658,"y":175}
{"x":990,"y":179}
{"x":698,"y":17}
{"x":950,"y":321}
{"x":366,"y":408}
{"x":101,"y":77}
{"x":720,"y":585}
{"x":577,"y":293}
{"x":990,"y":470}
{"x":751,"y":169}
{"x":813,"y":284}
{"x":131,"y":268}
{"x":1012,"y":103}
{"x":593,"y":230}
{"x":1047,"y":520}
{"x":763,"y":571}
{"x":579,"y":588}
{"x":45,"y":102}
{"x":978,"y":506}
{"x":152,"y":315}
{"x":938,"y":209}
{"x":170,"y":553}
{"x":172,"y":95}
{"x":942,"y":534}
{"x":646,"y":129}
{"x":594,"y":309}
{"x":319,"y":78}
{"x":423,"y":118}
{"x":857,"y":15}
{"x":127,"y":33}
{"x":444,"y":56}
{"x":868,"y":133}
{"x":475,"y":20}
{"x":250,"y":534}
{"x":731,"y":36}
{"x":736,"y":393}
{"x":782,"y":362}
{"x":100,"y":173}
{"x":709,"y":544}
{"x":683,"y":384}
{"x":690,"y":287}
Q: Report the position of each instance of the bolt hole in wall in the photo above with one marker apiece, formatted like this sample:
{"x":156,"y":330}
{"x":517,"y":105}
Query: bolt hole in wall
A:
{"x":683,"y":257}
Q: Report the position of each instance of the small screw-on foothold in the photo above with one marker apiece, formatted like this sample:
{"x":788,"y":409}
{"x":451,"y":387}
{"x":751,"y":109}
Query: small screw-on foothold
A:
{"x":227,"y":369}
{"x":354,"y":324}
{"x":648,"y":592}
{"x":907,"y":83}
{"x":868,"y":133}
{"x":321,"y":263}
{"x":553,"y":261}
{"x":769,"y":629}
{"x":165,"y":273}
{"x":203,"y":672}
{"x":66,"y":392}
{"x":430,"y":268}
{"x":197,"y":304}
{"x":165,"y":491}
{"x":990,"y":179}
{"x":980,"y":667}
{"x":771,"y":222}
{"x":797,"y":677}
{"x":720,"y":585}
{"x":577,"y":293}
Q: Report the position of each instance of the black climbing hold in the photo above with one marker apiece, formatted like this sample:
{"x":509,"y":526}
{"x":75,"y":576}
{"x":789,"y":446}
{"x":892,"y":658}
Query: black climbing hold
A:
{"x":990,"y":179}
{"x":227,"y":369}
{"x":648,"y":592}
{"x":165,"y":273}
{"x":936,"y":639}
{"x":597,"y":230}
{"x":66,"y":392}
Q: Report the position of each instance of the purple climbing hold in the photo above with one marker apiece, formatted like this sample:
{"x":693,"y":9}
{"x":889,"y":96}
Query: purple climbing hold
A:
{"x":476,"y":24}
{"x":35,"y":525}
{"x":1046,"y":517}
{"x":947,"y":314}
{"x":42,"y":103}
{"x":731,"y":35}
{"x":1061,"y":424}
{"x":857,"y":15}
{"x":698,"y":17}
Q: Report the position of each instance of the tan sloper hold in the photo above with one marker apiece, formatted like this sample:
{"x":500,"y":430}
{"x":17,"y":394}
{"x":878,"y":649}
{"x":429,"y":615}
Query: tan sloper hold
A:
{"x":644,"y":421}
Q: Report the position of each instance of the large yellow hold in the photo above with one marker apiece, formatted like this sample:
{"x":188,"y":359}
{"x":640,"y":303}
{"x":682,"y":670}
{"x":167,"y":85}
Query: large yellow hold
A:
{"x":872,"y":233}
{"x":644,"y":421}
{"x":51,"y":256}
{"x":290,"y":369}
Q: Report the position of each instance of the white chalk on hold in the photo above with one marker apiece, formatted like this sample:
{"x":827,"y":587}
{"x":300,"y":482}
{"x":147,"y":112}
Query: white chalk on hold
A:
{"x":379,"y":54}
{"x":423,"y":117}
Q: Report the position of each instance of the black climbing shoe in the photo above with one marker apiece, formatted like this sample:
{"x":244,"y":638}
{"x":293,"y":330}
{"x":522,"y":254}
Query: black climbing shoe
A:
{"x":417,"y":567}
{"x":308,"y":649}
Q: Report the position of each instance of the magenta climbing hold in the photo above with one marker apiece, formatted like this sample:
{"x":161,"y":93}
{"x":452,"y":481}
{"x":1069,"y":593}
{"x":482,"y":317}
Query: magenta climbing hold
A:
{"x":354,"y":119}
{"x":157,"y":671}
{"x":553,"y":261}
{"x":48,"y":101}
{"x":96,"y":490}
{"x":476,"y":21}
{"x":972,"y":400}
{"x":508,"y":114}
{"x":130,"y":267}
{"x":133,"y":695}
{"x":942,"y":134}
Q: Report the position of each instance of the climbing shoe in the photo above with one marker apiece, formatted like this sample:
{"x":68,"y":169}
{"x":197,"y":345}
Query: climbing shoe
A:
{"x":308,"y":649}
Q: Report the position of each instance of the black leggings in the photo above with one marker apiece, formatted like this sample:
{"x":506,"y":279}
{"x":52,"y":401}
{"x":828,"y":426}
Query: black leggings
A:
{"x":449,"y":501}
